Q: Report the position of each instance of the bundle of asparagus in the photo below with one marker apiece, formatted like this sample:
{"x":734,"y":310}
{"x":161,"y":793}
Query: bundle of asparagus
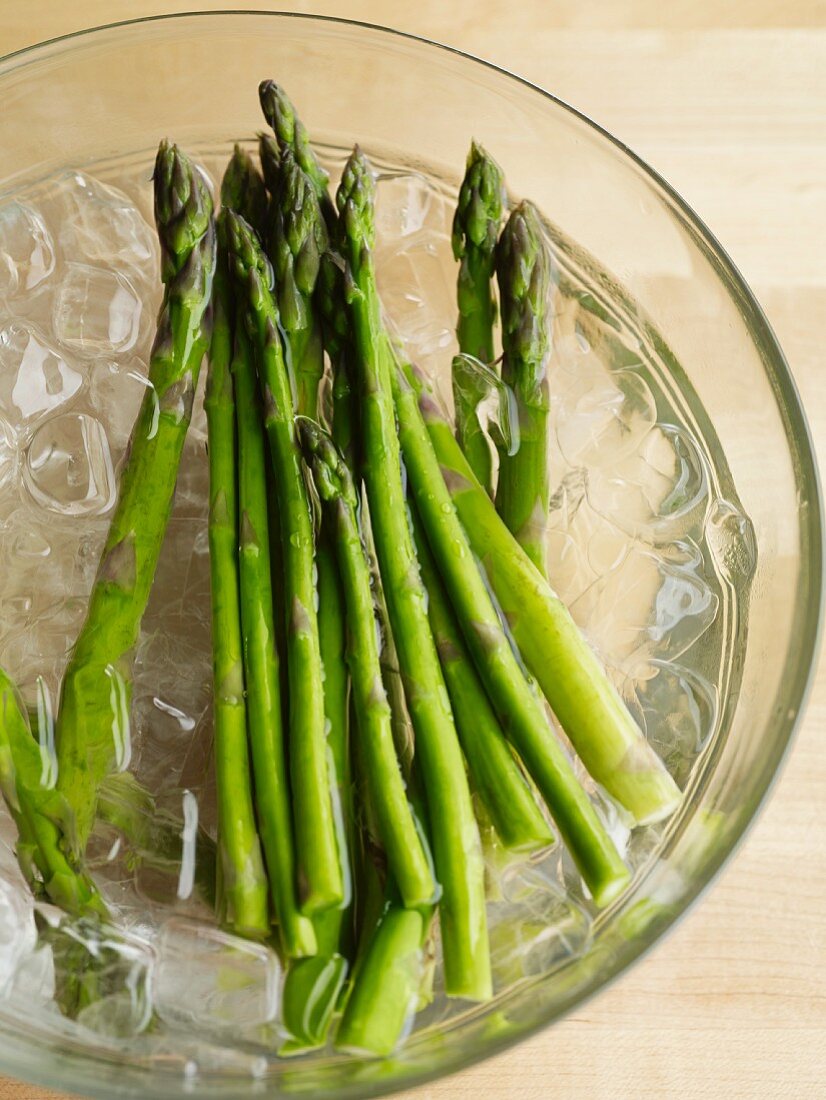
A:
{"x":363,"y":546}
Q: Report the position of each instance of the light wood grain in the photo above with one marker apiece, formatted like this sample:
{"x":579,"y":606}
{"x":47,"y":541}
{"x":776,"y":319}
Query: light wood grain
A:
{"x":729,"y":102}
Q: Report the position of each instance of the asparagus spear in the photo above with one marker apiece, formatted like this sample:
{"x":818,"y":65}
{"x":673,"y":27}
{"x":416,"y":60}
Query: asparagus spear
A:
{"x":242,"y":874}
{"x":93,"y":724}
{"x":475,"y":229}
{"x":386,"y":989}
{"x":397,"y":828}
{"x":389,"y":965}
{"x":290,"y":133}
{"x":496,"y":774}
{"x":312,"y":986}
{"x":297,"y":242}
{"x":40,"y":814}
{"x":337,"y":339}
{"x":520,"y":710}
{"x":320,"y":876}
{"x":242,"y":190}
{"x":456,"y":844}
{"x":574,"y":682}
{"x":523,"y":268}
{"x":270,"y":157}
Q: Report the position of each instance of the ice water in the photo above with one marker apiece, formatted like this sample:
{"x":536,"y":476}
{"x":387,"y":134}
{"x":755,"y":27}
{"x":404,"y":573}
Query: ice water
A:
{"x":641,"y":546}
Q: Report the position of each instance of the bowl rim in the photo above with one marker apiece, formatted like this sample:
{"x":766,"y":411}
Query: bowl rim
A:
{"x":811,"y":622}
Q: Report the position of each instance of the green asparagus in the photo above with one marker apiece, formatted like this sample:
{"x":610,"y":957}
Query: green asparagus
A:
{"x":455,"y":835}
{"x":574,"y":682}
{"x":319,"y":869}
{"x":242,"y":191}
{"x":397,"y":828}
{"x":270,"y":157}
{"x":386,"y":988}
{"x":312,"y":986}
{"x":93,"y":722}
{"x":40,"y":814}
{"x":242,"y":875}
{"x":523,"y":268}
{"x":298,"y":240}
{"x":290,"y":133}
{"x":475,"y":229}
{"x":496,"y":774}
{"x":520,"y":710}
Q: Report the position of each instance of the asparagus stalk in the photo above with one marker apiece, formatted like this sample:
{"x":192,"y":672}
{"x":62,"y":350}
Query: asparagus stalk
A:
{"x":298,"y":241}
{"x":242,"y":874}
{"x":242,"y":190}
{"x":40,"y":814}
{"x":572,"y":678}
{"x":385,"y":991}
{"x":523,"y":268}
{"x":269,"y":754}
{"x":391,"y":949}
{"x":396,"y":824}
{"x":290,"y":133}
{"x":312,"y":987}
{"x":520,"y":710}
{"x":456,"y":844}
{"x":319,"y":870}
{"x":270,"y":157}
{"x":93,"y":724}
{"x":335,"y":329}
{"x":475,"y":229}
{"x":496,"y":774}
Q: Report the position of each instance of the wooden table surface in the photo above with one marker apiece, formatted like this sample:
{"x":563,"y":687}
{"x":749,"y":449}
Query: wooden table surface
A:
{"x":728,"y":101}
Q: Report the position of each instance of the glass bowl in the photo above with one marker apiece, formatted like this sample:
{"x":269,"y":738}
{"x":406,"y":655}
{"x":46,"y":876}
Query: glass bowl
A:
{"x":112,"y":92}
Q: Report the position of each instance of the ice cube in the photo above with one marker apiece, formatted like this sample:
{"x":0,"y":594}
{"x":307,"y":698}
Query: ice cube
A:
{"x":8,"y":455}
{"x":678,"y":711}
{"x":35,"y":378}
{"x":406,"y":202}
{"x":117,"y":392}
{"x":26,"y":252}
{"x":650,"y":606}
{"x":536,"y":927}
{"x":211,"y":981}
{"x":658,"y":493}
{"x":100,"y":224}
{"x":96,"y":311}
{"x":103,"y":976}
{"x":601,"y":416}
{"x":18,"y":935}
{"x":68,"y":468}
{"x":418,"y":298}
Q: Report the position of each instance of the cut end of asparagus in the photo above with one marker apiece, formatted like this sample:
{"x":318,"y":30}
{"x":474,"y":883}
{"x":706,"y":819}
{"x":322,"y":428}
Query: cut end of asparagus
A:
{"x":480,"y":206}
{"x":611,"y":888}
{"x":183,"y":207}
{"x":242,"y":189}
